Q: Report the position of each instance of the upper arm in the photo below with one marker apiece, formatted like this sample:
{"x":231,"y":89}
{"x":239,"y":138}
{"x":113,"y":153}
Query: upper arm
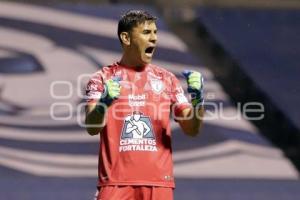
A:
{"x":191,"y":120}
{"x":183,"y":120}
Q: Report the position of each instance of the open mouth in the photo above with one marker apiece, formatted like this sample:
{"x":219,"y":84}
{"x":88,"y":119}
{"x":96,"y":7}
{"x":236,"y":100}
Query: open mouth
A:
{"x":149,"y":50}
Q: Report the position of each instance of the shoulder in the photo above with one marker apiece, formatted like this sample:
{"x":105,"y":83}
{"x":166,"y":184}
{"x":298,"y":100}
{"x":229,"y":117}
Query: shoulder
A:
{"x":97,"y":79}
{"x":104,"y":72}
{"x":162,"y":71}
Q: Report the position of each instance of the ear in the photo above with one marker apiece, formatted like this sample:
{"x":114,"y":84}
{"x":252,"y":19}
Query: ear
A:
{"x":125,"y":38}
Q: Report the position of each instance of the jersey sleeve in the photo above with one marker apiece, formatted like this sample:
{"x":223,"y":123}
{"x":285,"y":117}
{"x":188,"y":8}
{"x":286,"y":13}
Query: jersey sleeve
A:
{"x":179,"y":100}
{"x":94,"y":88}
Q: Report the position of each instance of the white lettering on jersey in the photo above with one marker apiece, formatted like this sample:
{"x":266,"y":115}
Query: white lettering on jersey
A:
{"x":94,"y":95}
{"x":137,"y":134}
{"x":136,"y":100}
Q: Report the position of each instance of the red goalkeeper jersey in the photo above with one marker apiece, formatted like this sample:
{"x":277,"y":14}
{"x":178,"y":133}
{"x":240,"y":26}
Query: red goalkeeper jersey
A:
{"x":135,"y":143}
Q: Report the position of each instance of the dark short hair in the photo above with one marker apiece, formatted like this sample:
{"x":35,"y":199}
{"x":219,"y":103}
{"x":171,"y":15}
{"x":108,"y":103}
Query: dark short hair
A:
{"x":131,"y":19}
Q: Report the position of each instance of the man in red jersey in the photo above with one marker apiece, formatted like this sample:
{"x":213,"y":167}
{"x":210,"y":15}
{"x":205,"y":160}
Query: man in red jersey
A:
{"x":129,"y":104}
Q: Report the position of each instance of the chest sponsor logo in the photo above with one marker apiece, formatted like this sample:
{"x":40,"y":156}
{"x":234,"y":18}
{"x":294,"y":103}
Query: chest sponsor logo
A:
{"x":157,"y":85}
{"x":136,"y":100}
{"x":137,"y":134}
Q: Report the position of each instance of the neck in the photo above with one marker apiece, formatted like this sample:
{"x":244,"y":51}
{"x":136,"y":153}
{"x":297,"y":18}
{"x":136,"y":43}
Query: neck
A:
{"x":131,"y":63}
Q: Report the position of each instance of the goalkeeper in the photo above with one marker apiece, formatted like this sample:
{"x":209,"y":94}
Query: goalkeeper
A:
{"x":128,"y":96}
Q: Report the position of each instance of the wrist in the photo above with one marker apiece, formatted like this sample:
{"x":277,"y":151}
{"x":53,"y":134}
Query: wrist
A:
{"x":197,"y":101}
{"x":101,"y":108}
{"x":197,"y":98}
{"x":105,"y":98}
{"x":103,"y":102}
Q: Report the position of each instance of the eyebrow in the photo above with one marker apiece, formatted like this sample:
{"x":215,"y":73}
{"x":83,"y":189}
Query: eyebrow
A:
{"x":149,"y":30}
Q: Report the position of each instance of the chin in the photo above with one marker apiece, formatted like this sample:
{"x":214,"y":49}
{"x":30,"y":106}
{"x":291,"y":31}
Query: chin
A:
{"x":147,"y":61}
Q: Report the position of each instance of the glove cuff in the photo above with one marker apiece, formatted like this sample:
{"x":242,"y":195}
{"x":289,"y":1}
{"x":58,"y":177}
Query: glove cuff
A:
{"x":100,"y":109}
{"x":104,"y":102}
{"x":197,"y":98}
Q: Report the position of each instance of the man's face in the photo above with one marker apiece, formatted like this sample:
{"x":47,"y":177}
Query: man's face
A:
{"x":143,"y":40}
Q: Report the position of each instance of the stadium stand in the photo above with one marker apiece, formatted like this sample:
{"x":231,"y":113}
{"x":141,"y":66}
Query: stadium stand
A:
{"x":261,"y":49}
{"x":265,"y":44}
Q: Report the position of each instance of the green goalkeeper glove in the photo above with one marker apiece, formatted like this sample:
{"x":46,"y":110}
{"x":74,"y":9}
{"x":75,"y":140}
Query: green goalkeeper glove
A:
{"x":112,"y":89}
{"x":195,"y":86}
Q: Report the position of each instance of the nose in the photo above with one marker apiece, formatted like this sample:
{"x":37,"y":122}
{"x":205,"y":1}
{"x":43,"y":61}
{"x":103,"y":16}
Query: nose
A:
{"x":153,"y":37}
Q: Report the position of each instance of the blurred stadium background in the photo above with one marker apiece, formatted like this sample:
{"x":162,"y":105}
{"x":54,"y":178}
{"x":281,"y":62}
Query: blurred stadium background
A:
{"x":247,"y":50}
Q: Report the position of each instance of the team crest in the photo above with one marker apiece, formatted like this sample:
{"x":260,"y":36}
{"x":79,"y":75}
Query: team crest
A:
{"x":156,"y":85}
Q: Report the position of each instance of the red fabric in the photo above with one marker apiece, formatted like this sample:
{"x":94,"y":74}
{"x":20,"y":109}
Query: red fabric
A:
{"x":134,"y":193}
{"x":137,"y":151}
